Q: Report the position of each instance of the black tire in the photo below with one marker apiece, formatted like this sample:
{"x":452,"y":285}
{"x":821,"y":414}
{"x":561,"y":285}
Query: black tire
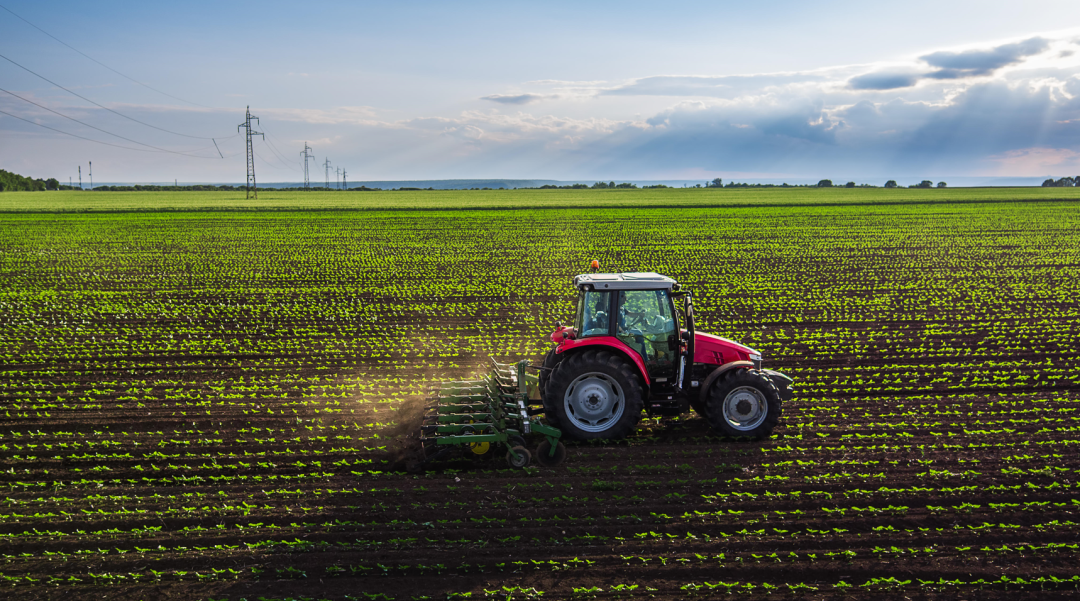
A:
{"x":743,"y":395}
{"x":698,"y":405}
{"x":515,"y":440}
{"x":550,"y":361}
{"x":543,"y":454}
{"x":524,"y":457}
{"x":618,"y":392}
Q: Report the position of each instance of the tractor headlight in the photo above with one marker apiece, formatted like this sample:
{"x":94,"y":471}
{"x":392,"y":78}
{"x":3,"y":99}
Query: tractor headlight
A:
{"x":756,"y":359}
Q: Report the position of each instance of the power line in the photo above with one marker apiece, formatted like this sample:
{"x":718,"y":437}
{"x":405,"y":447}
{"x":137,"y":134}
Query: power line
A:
{"x":100,"y":105}
{"x":277,"y":162}
{"x":99,"y":62}
{"x":277,"y":153}
{"x":66,"y":133}
{"x":104,"y":131}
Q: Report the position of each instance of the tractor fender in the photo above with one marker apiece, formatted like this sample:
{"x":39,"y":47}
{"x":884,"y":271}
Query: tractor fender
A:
{"x":614,"y":344}
{"x":707,"y":384}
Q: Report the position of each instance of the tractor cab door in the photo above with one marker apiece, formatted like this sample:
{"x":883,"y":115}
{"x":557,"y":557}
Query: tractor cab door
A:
{"x":646,"y":323}
{"x":592,"y":314}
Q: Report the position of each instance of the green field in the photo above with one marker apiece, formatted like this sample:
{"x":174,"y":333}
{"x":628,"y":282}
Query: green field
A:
{"x":199,"y":405}
{"x":87,"y":201}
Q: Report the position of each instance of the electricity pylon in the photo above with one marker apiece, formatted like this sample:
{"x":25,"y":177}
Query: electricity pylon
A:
{"x":307,"y":155}
{"x":327,"y":165}
{"x":251,"y":186}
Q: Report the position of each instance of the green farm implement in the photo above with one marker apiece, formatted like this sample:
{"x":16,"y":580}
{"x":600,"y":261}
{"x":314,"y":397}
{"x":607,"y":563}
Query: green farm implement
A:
{"x":474,"y":418}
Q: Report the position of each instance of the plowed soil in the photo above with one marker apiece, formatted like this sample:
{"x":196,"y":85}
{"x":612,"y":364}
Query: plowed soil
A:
{"x":229,"y":420}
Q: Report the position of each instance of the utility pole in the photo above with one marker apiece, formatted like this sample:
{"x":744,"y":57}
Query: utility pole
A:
{"x":91,"y":174}
{"x":307,"y":155}
{"x":327,"y":165}
{"x":251,"y":186}
{"x":344,"y":184}
{"x":80,"y":177}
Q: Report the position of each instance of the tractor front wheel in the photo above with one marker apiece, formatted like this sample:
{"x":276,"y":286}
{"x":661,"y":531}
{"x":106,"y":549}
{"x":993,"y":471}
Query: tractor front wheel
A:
{"x":596,"y":394}
{"x":743,"y":403}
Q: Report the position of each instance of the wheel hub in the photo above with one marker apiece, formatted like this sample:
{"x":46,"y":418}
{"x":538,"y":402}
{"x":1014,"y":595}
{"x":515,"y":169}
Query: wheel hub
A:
{"x":745,"y":408}
{"x":594,"y":402}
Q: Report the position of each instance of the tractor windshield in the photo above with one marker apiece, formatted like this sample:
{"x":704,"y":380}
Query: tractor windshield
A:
{"x":647,"y":324}
{"x":592,"y":318}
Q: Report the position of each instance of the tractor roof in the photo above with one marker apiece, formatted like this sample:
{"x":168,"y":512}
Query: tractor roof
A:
{"x":624,"y":281}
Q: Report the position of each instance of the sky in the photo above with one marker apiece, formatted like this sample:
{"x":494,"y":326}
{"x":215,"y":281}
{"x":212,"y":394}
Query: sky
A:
{"x":414,"y":90}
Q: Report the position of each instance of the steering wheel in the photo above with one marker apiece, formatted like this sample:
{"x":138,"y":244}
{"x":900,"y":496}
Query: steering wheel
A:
{"x":633,"y":318}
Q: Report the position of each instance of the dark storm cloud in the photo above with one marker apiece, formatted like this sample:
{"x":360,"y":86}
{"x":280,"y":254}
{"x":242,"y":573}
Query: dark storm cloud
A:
{"x":972,"y":63}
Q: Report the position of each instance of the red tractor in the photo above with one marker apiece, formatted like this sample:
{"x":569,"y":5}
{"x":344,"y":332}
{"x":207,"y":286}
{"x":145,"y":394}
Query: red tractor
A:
{"x":626,"y":352}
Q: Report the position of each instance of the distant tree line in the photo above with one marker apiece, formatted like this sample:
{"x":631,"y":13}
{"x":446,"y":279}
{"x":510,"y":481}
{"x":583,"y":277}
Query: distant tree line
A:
{"x":602,"y":185}
{"x":13,"y":182}
{"x":213,"y":188}
{"x":1065,"y":182}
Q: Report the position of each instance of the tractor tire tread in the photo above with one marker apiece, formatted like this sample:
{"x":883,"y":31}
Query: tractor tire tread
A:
{"x":551,"y":361}
{"x":714,"y":400}
{"x":597,"y":360}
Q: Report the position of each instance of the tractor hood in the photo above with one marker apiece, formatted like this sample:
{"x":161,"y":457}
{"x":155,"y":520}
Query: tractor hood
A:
{"x":716,"y":350}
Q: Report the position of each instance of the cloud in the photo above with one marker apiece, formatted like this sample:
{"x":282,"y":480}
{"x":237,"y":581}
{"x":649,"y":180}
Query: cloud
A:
{"x":972,"y":63}
{"x":518,"y":98}
{"x":360,"y":115}
{"x":883,"y":80}
{"x":726,"y":86}
{"x":998,"y":109}
{"x":953,"y":65}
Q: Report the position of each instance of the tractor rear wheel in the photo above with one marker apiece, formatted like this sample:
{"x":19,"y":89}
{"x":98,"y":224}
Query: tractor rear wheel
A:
{"x":743,"y":403}
{"x":550,"y":361}
{"x":596,"y":394}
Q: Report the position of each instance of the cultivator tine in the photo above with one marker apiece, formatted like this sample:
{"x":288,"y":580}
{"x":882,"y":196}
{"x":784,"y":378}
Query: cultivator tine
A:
{"x":475,"y":415}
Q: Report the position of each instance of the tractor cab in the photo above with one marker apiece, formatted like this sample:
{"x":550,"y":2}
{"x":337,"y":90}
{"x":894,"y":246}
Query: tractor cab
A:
{"x":638,"y":310}
{"x":627,"y":352}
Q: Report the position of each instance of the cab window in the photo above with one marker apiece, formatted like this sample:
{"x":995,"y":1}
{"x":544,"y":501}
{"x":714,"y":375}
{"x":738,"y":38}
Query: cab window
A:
{"x":592,"y":318}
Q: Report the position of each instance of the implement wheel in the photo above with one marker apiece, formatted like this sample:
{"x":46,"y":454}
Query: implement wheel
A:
{"x":522,"y":460}
{"x":544,"y":457}
{"x":743,"y":403}
{"x":597,"y":394}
